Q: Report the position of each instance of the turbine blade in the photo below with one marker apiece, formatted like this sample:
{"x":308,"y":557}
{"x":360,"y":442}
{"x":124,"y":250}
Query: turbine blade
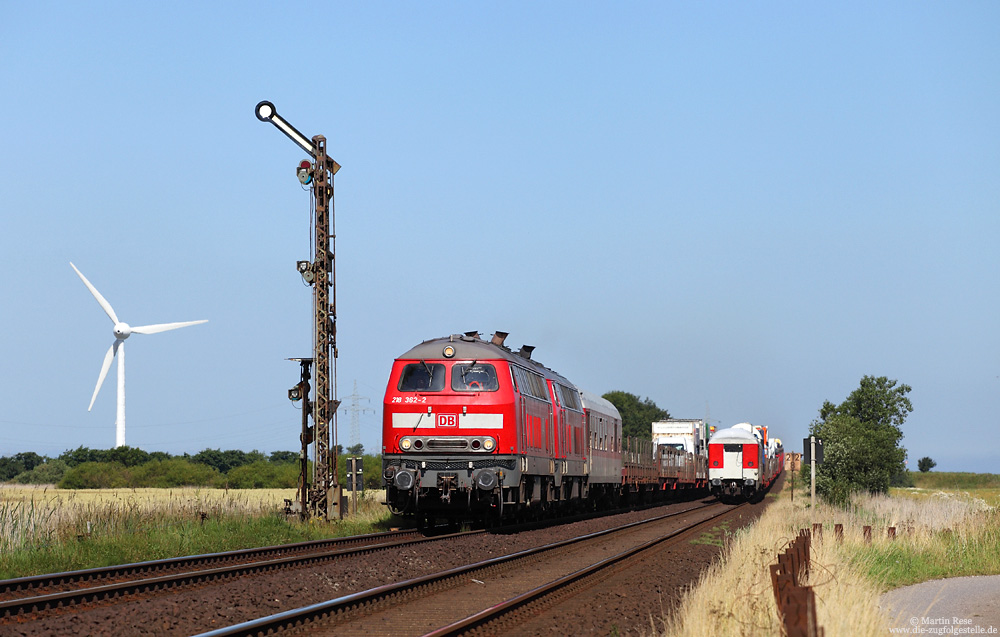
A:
{"x":163,"y":327}
{"x":104,"y":369}
{"x":97,"y":295}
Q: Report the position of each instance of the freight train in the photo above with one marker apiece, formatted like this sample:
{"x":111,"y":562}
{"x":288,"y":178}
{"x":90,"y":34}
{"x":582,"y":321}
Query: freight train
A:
{"x":473,"y":429}
{"x":743,"y":463}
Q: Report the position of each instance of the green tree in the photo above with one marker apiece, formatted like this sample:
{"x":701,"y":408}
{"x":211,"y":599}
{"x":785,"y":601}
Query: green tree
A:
{"x":925,"y":464}
{"x":283,"y":457}
{"x":19,"y":463}
{"x":638,"y":415}
{"x":225,"y":461}
{"x":861,"y":439}
{"x":80,"y":455}
{"x":124,"y":455}
{"x":127,"y":456}
{"x":877,"y":401}
{"x":356,"y":450}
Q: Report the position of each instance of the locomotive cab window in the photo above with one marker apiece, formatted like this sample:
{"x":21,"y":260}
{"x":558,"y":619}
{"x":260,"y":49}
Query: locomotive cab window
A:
{"x":422,"y":377}
{"x":474,"y":377}
{"x":733,"y":447}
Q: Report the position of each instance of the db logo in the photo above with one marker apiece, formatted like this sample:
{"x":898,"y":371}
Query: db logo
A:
{"x":447,"y":420}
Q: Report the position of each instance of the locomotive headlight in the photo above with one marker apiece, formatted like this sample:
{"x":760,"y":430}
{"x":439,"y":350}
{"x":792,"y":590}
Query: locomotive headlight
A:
{"x":405,"y":444}
{"x":489,"y":444}
{"x":449,"y":351}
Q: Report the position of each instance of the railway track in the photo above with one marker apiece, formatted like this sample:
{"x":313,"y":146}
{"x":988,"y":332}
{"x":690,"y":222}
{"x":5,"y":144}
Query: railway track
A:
{"x":484,"y":593}
{"x":37,"y":594}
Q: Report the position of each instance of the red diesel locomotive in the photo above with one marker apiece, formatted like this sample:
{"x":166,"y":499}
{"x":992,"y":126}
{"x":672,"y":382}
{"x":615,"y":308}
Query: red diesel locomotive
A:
{"x":474,"y":429}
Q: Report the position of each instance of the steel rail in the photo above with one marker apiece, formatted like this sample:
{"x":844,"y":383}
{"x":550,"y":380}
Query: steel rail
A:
{"x":317,"y":612}
{"x":538,"y":594}
{"x":39,"y":603}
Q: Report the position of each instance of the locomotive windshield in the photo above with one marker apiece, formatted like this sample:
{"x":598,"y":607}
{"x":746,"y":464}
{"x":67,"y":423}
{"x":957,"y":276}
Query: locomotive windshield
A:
{"x":474,"y":377}
{"x":422,"y":377}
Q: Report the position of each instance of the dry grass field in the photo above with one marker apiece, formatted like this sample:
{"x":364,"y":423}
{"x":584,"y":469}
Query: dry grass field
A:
{"x":48,"y":530}
{"x":986,"y":496}
{"x":32,"y":515}
{"x":939,"y":536}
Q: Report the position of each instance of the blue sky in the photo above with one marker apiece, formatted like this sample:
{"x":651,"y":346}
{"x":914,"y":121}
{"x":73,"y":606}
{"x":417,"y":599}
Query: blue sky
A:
{"x":734,"y":209}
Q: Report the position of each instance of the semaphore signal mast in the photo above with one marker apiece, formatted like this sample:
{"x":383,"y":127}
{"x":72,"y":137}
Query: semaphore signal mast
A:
{"x":323,"y":497}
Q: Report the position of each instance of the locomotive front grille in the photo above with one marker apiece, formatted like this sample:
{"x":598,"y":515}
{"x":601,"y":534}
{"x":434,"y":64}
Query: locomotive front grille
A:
{"x":447,"y":443}
{"x":458,"y":465}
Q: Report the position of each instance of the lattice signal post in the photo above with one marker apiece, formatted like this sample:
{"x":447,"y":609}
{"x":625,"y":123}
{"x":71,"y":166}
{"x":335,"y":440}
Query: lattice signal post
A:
{"x":324,"y":497}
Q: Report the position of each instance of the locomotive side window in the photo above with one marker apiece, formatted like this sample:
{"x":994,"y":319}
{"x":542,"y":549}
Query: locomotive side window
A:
{"x":474,"y":377}
{"x":530,"y":383}
{"x":422,"y":377}
{"x":569,"y":398}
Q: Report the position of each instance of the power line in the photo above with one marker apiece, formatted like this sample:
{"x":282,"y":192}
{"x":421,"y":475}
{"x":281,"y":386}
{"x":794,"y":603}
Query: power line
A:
{"x":356,"y":410}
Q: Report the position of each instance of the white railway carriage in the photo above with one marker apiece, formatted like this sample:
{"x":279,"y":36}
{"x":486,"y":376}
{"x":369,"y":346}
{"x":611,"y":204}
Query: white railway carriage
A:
{"x":735,"y":459}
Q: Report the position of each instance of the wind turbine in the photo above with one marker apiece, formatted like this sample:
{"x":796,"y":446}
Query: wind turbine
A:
{"x":122,"y":331}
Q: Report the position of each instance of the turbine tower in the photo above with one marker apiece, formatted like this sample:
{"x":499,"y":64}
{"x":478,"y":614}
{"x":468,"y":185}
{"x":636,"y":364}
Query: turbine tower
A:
{"x":122,"y":331}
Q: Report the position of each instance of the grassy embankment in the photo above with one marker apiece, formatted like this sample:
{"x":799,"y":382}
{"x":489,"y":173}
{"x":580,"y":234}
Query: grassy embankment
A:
{"x":940,"y":534}
{"x":45,"y":530}
{"x":984,"y":486}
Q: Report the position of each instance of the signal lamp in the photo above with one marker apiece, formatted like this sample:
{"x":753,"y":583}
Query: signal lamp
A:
{"x":304,"y":172}
{"x":489,"y":444}
{"x":404,"y":444}
{"x":449,"y":351}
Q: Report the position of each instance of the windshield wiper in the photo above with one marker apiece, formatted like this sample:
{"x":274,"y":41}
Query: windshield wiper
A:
{"x":430,"y":373}
{"x":468,"y":369}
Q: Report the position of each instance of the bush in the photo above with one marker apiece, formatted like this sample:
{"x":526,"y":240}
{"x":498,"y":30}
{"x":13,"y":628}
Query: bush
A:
{"x":176,"y":472}
{"x":901,"y":479}
{"x":95,"y":475}
{"x":261,"y":475}
{"x":49,"y":472}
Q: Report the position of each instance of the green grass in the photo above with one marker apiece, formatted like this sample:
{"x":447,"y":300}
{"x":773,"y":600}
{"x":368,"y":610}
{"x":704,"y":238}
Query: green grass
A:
{"x":945,"y":554}
{"x":715,"y":537}
{"x":955,"y":480}
{"x":137,"y":540}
